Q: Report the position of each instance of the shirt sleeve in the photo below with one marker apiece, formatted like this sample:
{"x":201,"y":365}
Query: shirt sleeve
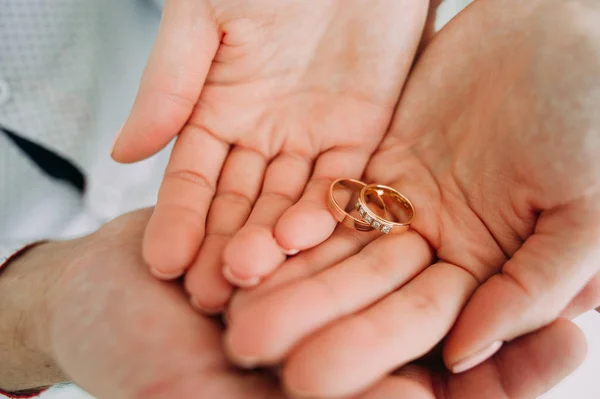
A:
{"x":33,"y":393}
{"x":8,"y":252}
{"x":159,"y":3}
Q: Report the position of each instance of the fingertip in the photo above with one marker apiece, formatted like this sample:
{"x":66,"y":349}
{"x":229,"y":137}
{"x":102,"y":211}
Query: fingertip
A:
{"x":303,"y":227}
{"x":290,"y":252}
{"x":206,"y":310}
{"x":165,"y":275}
{"x":115,"y":141}
{"x":234,"y":354}
{"x":208,"y":296}
{"x":126,"y":149}
{"x":132,"y":144}
{"x":120,"y":153}
{"x":475,"y":359}
{"x":259,"y":334}
{"x":302,"y":379}
{"x":250,"y":255}
{"x":168,"y":247}
{"x":482,"y":322}
{"x":571,"y":339}
{"x":209,"y":291}
{"x":247,"y":282}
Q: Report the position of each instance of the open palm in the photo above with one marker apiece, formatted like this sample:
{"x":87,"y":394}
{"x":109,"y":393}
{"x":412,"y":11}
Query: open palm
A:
{"x":495,"y":142}
{"x":272,"y":101}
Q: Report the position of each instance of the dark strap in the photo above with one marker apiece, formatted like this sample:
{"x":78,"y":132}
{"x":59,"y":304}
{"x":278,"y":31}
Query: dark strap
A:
{"x":52,"y":164}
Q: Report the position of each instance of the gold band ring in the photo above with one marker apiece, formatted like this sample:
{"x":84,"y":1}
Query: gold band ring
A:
{"x":355,"y":186}
{"x":380,"y":223}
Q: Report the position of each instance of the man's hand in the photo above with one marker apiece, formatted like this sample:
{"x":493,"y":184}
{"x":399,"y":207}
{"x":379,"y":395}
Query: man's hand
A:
{"x":106,"y":323}
{"x":273,"y":101}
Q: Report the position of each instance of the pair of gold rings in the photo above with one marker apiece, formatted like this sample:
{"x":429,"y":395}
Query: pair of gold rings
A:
{"x":372,"y":204}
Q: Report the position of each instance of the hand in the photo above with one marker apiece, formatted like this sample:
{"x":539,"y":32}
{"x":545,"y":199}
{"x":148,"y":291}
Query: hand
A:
{"x":545,"y":357}
{"x":485,"y":150}
{"x":122,"y":334}
{"x":272,"y":101}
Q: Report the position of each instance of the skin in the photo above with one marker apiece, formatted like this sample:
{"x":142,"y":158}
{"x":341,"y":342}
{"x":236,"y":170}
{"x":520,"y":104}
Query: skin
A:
{"x":495,"y":140}
{"x":88,"y":310}
{"x":271,"y":102}
{"x":101,"y":320}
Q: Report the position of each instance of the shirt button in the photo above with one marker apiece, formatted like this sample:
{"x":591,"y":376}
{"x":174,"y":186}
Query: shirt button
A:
{"x":4,"y":92}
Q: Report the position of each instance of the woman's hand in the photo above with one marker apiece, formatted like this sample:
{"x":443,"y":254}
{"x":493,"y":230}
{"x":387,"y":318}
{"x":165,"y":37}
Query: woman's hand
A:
{"x":272,"y":101}
{"x":495,"y":141}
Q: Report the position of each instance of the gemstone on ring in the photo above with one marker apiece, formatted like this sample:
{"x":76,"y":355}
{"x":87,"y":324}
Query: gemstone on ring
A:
{"x":340,"y":214}
{"x":384,"y":224}
{"x":361,"y":212}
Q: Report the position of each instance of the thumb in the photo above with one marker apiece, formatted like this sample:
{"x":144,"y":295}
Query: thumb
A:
{"x":534,"y":288}
{"x":186,"y":44}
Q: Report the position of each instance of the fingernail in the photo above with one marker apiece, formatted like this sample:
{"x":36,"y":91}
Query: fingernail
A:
{"x":298,"y":394}
{"x":246,"y":362}
{"x":477,"y":358}
{"x":165,"y":275}
{"x":290,"y":252}
{"x":203,"y":309}
{"x":240,"y":282}
{"x":114,"y":143}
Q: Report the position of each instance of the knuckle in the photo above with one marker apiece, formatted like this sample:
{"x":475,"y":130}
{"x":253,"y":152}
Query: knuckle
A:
{"x":235,"y":197}
{"x":279,"y":196}
{"x":190,"y":177}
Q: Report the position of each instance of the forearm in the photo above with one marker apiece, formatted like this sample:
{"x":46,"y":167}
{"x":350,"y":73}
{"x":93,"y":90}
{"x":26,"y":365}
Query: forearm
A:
{"x":25,"y":283}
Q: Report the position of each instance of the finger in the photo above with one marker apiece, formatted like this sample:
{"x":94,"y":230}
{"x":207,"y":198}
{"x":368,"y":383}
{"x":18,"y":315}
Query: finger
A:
{"x":224,"y":384}
{"x":545,"y":357}
{"x":352,"y":354}
{"x":253,"y":251}
{"x":587,"y":299}
{"x":266,"y":331}
{"x":409,"y":382}
{"x":238,"y":188}
{"x":344,"y":243}
{"x":186,"y":44}
{"x":309,"y":222}
{"x":535,"y":287}
{"x":177,"y":226}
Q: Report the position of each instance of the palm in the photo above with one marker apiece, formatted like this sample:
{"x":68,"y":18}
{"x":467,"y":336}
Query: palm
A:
{"x":304,"y":91}
{"x":273,"y":100}
{"x":503,"y":161}
{"x":482,"y":168}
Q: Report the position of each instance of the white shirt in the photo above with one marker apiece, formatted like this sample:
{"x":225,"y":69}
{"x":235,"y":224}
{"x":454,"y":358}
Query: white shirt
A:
{"x":68,"y":75}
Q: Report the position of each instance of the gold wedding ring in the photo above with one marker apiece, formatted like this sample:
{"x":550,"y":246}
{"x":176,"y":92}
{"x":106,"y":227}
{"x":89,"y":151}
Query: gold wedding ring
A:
{"x":382,"y":223}
{"x":355,"y":187}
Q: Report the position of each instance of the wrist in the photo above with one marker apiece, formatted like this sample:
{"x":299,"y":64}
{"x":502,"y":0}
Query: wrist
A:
{"x":27,"y":287}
